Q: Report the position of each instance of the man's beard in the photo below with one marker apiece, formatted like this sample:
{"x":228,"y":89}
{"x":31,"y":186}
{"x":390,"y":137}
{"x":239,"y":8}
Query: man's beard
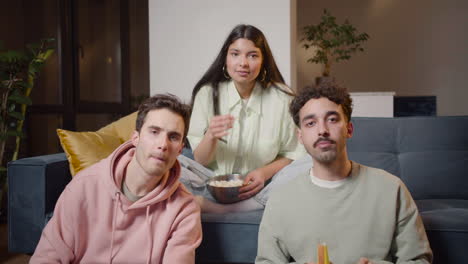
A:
{"x":325,"y":157}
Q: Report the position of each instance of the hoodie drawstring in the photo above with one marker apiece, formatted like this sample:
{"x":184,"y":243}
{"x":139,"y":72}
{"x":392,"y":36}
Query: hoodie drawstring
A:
{"x":116,"y":205}
{"x":149,"y":219}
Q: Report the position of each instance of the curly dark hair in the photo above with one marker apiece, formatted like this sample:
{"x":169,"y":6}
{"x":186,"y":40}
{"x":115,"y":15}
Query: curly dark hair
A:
{"x":163,"y":101}
{"x":330,"y":90}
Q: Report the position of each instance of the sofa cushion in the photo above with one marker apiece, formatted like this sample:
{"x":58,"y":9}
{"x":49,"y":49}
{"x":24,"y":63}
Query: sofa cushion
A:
{"x":229,"y":238}
{"x":446,"y":224}
{"x":416,"y":149}
{"x":436,"y":174}
{"x":83,"y":149}
{"x":374,"y":144}
{"x":434,"y":156}
{"x":448,"y":215}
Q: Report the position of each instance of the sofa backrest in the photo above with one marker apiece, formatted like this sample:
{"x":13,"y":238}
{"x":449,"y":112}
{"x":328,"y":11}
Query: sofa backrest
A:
{"x":430,"y":154}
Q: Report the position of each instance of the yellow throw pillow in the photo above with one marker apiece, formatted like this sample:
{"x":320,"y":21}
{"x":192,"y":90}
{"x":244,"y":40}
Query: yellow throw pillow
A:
{"x":122,"y":128}
{"x":86,"y":148}
{"x":83,"y":149}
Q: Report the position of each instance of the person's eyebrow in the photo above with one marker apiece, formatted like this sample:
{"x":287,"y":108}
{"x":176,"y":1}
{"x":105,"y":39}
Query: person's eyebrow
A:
{"x":255,"y":52}
{"x":169,"y":132}
{"x":154,"y":127}
{"x":312,"y":116}
{"x":329,"y":113}
{"x":174,"y":133}
{"x":307,"y":117}
{"x":248,"y":52}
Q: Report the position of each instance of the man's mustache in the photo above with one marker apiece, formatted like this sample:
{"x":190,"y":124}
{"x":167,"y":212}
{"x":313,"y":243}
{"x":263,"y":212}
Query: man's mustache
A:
{"x":323,"y":139}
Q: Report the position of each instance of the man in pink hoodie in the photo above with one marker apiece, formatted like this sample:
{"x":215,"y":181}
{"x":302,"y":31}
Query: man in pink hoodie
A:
{"x":129,"y":207}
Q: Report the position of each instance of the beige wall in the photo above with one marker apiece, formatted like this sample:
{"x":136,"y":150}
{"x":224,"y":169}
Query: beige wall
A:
{"x":417,"y":47}
{"x":185,"y":37}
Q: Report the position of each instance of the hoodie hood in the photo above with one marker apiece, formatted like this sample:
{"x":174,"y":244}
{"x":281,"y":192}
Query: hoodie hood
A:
{"x":117,"y":163}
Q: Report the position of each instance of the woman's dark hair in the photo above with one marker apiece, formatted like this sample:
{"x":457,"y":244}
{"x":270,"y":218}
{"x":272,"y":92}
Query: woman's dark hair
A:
{"x":214,"y":75}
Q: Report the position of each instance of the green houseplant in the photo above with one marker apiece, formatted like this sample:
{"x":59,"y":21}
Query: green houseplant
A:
{"x":18,"y":70}
{"x":333,"y":42}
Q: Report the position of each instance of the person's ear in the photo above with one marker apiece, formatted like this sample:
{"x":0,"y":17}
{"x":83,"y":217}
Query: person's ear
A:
{"x":350,"y":129}
{"x":135,"y":138}
{"x":299,"y":135}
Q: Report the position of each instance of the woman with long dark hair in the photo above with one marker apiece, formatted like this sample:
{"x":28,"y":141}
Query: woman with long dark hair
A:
{"x":240,"y":121}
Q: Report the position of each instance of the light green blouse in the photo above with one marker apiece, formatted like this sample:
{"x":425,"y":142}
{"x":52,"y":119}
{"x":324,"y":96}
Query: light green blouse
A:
{"x":268,"y":130}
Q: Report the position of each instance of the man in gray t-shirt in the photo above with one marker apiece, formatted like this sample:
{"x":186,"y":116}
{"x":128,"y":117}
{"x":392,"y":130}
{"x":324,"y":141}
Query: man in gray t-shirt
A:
{"x":363,"y":215}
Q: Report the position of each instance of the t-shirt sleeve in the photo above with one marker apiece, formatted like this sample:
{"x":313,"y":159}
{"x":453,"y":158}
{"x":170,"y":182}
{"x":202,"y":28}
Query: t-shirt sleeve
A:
{"x":202,"y":111}
{"x":270,"y":247}
{"x":410,"y":244}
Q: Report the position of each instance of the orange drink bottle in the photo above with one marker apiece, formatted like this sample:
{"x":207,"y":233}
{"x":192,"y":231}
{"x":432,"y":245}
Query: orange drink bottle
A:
{"x":322,"y":254}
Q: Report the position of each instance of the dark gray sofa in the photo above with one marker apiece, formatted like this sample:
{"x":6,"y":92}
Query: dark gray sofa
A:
{"x":430,"y":154}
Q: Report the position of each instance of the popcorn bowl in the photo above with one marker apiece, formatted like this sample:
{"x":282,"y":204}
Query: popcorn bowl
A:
{"x":225,"y":188}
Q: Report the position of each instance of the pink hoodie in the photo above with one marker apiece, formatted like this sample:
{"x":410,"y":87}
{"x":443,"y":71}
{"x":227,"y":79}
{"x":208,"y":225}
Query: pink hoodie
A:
{"x":94,"y":222}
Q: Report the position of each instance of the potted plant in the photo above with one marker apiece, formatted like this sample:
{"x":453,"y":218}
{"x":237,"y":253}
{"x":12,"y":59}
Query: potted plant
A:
{"x":18,"y":70}
{"x":333,"y":42}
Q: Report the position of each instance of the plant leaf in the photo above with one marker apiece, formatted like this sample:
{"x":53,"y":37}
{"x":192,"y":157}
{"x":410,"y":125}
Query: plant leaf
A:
{"x":334,"y":42}
{"x":15,"y":133}
{"x":20,"y":99}
{"x":16,"y":115}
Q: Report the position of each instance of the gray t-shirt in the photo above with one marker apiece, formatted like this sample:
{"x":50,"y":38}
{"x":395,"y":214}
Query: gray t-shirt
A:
{"x":372,"y":215}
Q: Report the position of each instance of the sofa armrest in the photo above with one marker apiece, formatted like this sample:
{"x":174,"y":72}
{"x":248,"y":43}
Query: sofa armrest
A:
{"x":34,"y":185}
